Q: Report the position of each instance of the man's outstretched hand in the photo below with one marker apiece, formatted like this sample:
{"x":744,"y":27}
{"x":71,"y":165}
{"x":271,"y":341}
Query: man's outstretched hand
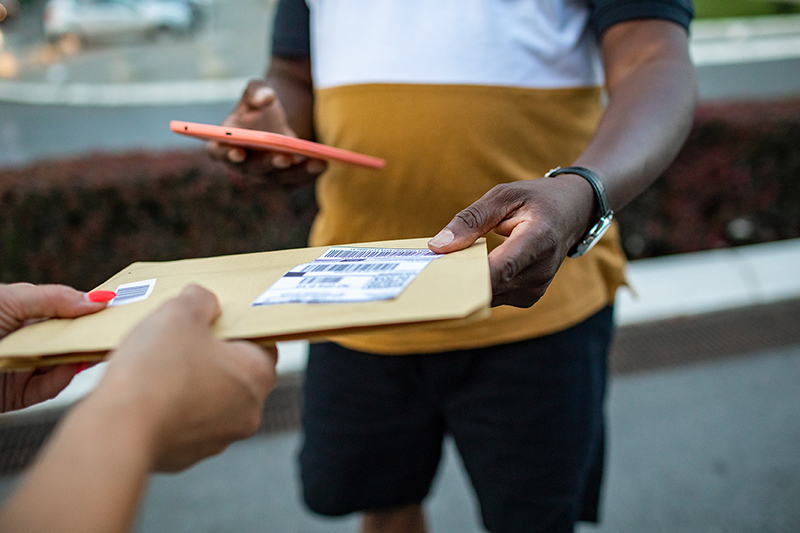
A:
{"x":541,"y":219}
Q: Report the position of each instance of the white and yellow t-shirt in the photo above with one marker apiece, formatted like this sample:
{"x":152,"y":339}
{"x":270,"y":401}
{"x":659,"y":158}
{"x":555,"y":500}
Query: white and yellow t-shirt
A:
{"x":458,"y":96}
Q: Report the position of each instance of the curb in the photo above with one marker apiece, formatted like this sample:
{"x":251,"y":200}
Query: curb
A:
{"x":123,"y":95}
{"x":745,"y":40}
{"x":713,"y":42}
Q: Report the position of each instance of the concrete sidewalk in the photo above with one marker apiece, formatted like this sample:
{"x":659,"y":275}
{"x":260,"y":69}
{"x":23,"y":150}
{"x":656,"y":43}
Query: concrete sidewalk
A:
{"x":696,"y":449}
{"x":693,"y":449}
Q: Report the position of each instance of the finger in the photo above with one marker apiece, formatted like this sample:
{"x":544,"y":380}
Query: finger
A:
{"x":281,"y":161}
{"x":474,"y":222}
{"x":258,"y":94}
{"x":50,"y":301}
{"x":217,"y":151}
{"x":518,"y":298}
{"x":512,"y":256}
{"x":47,"y":385}
{"x":200,"y":303}
{"x":2,"y":12}
{"x":236,"y":155}
{"x":259,"y":364}
{"x":316,"y":166}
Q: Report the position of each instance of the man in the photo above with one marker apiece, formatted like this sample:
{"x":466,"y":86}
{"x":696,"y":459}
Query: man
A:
{"x":471,"y":103}
{"x":171,"y":395}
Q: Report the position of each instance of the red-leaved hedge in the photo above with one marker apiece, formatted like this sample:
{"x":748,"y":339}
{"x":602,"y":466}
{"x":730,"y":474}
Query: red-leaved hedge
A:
{"x":79,"y":221}
{"x":736,"y":181}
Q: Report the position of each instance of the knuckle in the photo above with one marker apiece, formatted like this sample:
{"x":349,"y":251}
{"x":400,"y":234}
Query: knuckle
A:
{"x":509,"y":193}
{"x":472,"y":216}
{"x":253,"y":85}
{"x":508,"y":270}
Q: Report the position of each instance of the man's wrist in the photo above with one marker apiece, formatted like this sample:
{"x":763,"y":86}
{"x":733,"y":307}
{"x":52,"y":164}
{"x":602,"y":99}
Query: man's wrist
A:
{"x":601,"y":212}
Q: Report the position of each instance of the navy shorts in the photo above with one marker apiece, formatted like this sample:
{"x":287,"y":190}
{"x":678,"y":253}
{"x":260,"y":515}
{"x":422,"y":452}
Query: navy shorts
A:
{"x":526,"y":417}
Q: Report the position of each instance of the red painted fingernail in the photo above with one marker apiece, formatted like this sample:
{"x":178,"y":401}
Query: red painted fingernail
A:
{"x":101,"y":296}
{"x":82,"y":367}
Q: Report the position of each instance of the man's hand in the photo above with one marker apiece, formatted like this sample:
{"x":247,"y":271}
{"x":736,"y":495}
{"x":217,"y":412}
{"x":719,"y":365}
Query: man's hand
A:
{"x":191,"y":393}
{"x":542,"y":219}
{"x":19,"y":303}
{"x":260,"y":109}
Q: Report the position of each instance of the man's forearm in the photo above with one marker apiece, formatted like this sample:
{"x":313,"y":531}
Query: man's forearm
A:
{"x":652,"y":92}
{"x":291,"y":80}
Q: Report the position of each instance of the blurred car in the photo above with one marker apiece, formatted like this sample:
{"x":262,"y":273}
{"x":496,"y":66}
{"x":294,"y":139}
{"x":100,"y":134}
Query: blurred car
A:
{"x":103,"y":19}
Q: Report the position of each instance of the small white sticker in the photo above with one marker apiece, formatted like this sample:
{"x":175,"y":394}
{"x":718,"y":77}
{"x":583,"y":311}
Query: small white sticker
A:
{"x":136,"y":291}
{"x":344,"y":274}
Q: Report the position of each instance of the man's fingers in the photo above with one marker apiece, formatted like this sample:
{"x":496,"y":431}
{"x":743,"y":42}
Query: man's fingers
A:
{"x":3,"y":12}
{"x":316,"y":166}
{"x":523,"y":266}
{"x":258,"y":94}
{"x":236,"y":155}
{"x":513,"y":256}
{"x":473,"y":222}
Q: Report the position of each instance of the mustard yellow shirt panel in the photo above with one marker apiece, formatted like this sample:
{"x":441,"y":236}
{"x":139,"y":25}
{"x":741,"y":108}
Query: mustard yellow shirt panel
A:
{"x":446,"y":146}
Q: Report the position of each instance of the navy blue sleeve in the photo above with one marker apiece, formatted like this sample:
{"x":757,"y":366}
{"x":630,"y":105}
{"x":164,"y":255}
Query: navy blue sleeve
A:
{"x":290,"y":35}
{"x":606,"y":13}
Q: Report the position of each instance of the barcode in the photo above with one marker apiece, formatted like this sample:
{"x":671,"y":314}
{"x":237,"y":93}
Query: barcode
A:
{"x":388,"y":281}
{"x":361,"y":253}
{"x":319,"y":281}
{"x":352,"y":267}
{"x":126,"y":293}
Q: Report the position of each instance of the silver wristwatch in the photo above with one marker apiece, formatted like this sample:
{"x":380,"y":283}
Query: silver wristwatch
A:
{"x":606,"y":214}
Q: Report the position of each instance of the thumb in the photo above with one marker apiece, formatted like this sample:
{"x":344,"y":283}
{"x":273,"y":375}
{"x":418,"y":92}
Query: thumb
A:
{"x":200,"y":304}
{"x":258,"y":94}
{"x":470,"y":224}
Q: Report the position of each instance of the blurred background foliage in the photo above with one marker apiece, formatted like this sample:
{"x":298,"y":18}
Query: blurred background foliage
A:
{"x":743,"y":8}
{"x":79,"y":221}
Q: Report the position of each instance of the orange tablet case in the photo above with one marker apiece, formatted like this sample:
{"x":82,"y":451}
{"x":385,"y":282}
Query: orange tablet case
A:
{"x":262,"y":140}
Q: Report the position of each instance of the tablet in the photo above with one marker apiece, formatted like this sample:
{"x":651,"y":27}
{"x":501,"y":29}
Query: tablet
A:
{"x":263,"y":140}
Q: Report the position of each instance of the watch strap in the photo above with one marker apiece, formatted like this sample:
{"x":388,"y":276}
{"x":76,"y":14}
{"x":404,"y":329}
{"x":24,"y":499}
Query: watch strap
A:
{"x":606,"y":214}
{"x":593,"y":179}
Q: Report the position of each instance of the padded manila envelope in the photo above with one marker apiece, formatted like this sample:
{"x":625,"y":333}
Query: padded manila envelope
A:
{"x":451,"y":288}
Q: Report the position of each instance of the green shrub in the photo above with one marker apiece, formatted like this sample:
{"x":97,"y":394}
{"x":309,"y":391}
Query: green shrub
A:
{"x":743,"y":8}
